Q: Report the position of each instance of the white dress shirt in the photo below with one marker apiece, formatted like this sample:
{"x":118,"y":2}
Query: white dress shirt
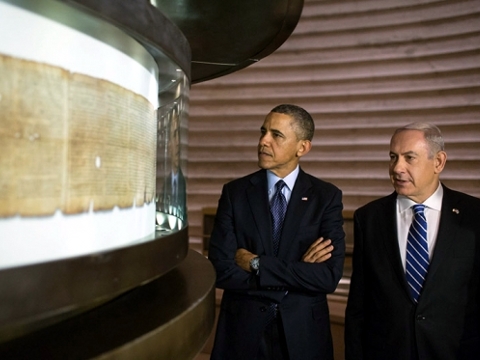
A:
{"x":433,"y":207}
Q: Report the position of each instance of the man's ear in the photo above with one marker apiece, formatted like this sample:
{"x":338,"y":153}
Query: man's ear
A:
{"x":440,"y":161}
{"x":305,"y":146}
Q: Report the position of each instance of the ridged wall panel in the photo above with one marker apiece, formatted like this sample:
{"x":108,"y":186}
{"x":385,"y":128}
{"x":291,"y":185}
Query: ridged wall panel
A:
{"x":362,"y":69}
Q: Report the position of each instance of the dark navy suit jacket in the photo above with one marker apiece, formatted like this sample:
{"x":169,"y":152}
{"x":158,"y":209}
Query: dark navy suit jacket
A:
{"x":243,"y":221}
{"x":382,"y":321}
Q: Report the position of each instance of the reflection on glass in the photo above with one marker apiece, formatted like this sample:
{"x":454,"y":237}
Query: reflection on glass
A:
{"x":171,"y":208}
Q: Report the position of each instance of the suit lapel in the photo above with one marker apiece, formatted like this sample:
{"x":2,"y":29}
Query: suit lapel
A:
{"x":300,"y":199}
{"x":257,"y":195}
{"x":390,"y":240}
{"x":448,"y":227}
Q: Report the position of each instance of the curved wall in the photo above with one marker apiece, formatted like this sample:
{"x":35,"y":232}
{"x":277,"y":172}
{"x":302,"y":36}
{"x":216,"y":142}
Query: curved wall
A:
{"x":362,"y":68}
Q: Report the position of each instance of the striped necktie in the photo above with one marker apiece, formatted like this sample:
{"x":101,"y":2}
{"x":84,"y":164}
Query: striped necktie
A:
{"x":278,"y":206}
{"x":417,"y":252}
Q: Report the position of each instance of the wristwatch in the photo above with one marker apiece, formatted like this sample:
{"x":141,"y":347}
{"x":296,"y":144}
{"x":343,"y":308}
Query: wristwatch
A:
{"x":255,"y":263}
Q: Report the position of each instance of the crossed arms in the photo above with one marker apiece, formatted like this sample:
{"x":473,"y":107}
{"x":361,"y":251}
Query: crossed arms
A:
{"x":318,"y":252}
{"x":318,"y":268}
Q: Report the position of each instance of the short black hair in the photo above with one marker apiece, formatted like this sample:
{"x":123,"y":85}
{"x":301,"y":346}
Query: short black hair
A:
{"x":304,"y":125}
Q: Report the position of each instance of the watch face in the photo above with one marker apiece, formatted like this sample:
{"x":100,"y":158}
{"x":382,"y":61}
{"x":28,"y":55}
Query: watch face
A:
{"x":255,"y":263}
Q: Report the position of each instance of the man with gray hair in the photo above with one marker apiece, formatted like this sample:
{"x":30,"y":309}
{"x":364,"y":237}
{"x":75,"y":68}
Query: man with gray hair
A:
{"x":415,"y":287}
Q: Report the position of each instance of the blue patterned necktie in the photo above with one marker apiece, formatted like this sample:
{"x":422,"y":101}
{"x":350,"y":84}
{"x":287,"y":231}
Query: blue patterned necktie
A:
{"x":278,"y":206}
{"x":417,"y":252}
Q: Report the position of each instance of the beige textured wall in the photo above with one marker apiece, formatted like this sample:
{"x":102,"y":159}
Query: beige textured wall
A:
{"x":361,"y":68}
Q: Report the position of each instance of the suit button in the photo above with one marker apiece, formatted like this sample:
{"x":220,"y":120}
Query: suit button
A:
{"x":263,"y":308}
{"x":420,"y":317}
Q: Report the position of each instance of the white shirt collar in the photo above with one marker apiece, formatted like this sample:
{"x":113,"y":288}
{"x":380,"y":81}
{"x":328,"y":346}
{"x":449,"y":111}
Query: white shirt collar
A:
{"x":433,"y":202}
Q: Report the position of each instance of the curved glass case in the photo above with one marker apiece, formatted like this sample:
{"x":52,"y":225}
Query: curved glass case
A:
{"x":171,"y":196}
{"x":88,"y":100}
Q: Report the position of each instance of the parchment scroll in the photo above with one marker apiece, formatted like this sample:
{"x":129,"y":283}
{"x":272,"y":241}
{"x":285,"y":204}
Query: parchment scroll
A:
{"x":70,"y":141}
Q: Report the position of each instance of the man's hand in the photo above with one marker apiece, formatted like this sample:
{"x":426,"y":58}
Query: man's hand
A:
{"x":242,"y":259}
{"x":319,"y":251}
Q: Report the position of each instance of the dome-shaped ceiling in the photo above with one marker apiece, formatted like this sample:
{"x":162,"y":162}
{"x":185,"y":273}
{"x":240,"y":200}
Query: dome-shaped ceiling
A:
{"x":223,"y":36}
{"x":226,"y":36}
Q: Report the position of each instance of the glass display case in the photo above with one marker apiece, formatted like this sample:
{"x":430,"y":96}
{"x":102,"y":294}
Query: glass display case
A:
{"x":172,"y":126}
{"x":80,"y":134}
{"x":93,"y":123}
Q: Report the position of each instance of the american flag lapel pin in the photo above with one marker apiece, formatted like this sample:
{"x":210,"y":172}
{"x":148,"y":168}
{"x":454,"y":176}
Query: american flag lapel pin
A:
{"x":456,"y":211}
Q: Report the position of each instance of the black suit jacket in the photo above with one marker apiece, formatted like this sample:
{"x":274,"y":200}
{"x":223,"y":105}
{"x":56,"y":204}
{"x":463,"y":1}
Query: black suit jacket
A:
{"x":382,"y":321}
{"x":243,"y":221}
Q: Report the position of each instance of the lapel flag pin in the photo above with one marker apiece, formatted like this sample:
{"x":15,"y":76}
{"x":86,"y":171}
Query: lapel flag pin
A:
{"x":304,"y":198}
{"x":456,"y":211}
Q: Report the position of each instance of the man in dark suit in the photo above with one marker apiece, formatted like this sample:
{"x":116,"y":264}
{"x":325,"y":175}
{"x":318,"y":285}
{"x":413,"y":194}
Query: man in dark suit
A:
{"x":397,"y":309}
{"x":274,"y":304}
